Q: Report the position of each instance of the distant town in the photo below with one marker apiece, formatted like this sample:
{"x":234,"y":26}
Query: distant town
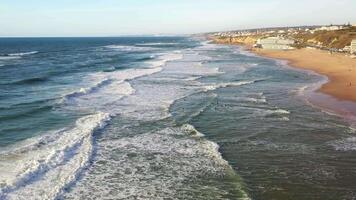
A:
{"x":333,"y":38}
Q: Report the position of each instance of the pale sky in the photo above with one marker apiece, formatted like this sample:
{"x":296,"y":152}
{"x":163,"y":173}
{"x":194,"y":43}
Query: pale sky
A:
{"x":143,"y":17}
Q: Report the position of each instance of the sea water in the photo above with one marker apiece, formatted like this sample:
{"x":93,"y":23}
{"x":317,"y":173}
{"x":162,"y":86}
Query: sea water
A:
{"x":163,"y":118}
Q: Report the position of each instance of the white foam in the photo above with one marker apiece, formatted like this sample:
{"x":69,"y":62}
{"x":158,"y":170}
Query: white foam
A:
{"x":254,"y":100}
{"x":153,"y":165}
{"x":109,"y":87}
{"x":156,"y":43}
{"x":182,"y":153}
{"x":223,"y":85}
{"x":285,"y":119}
{"x":276,"y":113}
{"x":266,"y":112}
{"x":129,"y":48}
{"x":163,"y":59}
{"x":9,"y":57}
{"x":280,"y":111}
{"x":52,"y":161}
{"x":23,"y":53}
{"x":190,"y":129}
{"x":348,"y":144}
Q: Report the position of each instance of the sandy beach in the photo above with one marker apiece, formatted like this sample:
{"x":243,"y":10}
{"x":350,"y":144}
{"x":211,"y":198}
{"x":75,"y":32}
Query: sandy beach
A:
{"x":339,"y":68}
{"x":338,"y":94}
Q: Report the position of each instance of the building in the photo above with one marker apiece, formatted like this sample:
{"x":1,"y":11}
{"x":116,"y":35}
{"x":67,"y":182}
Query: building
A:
{"x":275,"y":43}
{"x":347,"y":49}
{"x":329,"y":28}
{"x":353,"y":46}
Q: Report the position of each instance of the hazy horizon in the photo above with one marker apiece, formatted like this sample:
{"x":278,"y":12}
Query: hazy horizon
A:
{"x":109,"y":18}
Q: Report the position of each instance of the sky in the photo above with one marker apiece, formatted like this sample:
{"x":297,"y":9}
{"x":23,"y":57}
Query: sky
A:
{"x":19,"y":18}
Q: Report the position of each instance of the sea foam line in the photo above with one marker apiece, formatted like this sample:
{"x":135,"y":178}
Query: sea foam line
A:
{"x":22,"y":53}
{"x":223,"y":85}
{"x":129,"y":48}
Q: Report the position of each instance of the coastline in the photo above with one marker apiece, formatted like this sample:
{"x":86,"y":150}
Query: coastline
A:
{"x":336,"y":94}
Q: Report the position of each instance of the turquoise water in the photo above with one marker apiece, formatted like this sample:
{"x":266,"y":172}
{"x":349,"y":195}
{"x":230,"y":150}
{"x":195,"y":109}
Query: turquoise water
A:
{"x":163,"y":118}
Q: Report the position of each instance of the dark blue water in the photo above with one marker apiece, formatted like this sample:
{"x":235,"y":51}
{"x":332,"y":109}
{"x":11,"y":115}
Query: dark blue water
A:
{"x":163,"y":118}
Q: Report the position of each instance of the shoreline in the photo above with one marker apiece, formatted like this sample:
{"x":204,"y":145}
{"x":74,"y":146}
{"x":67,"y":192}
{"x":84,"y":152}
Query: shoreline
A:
{"x":335,"y":93}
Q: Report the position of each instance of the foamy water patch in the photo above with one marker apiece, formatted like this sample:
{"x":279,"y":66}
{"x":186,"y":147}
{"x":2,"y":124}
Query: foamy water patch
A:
{"x":154,"y":165}
{"x":53,"y":160}
{"x":109,"y":87}
{"x":348,"y":144}
{"x":163,"y":59}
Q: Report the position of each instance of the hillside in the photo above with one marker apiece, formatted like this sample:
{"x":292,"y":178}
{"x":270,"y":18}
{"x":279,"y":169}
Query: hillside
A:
{"x":329,"y":39}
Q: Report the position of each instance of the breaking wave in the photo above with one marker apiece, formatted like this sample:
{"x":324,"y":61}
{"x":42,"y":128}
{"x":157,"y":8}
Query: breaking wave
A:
{"x":171,"y":156}
{"x":13,"y":56}
{"x":54,"y":160}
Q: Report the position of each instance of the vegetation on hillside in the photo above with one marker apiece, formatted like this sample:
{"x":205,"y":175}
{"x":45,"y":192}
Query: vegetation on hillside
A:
{"x":329,"y":39}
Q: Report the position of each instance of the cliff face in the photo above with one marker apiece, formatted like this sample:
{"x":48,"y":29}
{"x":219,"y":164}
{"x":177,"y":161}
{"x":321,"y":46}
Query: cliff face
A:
{"x":246,"y":40}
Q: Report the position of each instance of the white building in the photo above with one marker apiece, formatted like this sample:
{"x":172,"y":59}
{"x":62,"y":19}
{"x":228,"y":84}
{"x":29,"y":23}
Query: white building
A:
{"x":330,"y":28}
{"x":275,"y":43}
{"x":353,"y":46}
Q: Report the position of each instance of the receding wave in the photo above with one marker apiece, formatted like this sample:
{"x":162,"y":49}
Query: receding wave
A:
{"x":54,"y":160}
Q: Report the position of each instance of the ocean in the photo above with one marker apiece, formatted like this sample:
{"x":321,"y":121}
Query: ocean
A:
{"x":164,"y":118}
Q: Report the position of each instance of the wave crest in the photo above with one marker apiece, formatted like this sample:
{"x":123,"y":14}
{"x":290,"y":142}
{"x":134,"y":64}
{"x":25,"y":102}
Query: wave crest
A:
{"x":22,"y":53}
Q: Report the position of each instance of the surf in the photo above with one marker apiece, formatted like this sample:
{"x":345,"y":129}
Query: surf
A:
{"x":64,"y":153}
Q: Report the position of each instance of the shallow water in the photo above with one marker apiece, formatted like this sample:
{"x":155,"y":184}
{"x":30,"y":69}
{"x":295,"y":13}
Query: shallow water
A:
{"x":163,"y":118}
